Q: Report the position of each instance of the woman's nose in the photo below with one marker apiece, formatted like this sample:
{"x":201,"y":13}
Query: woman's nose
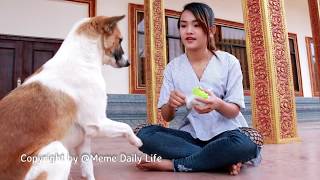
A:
{"x":189,"y":29}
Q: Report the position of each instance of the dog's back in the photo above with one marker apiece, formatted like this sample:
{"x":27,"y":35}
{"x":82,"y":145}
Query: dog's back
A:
{"x":31,"y":116}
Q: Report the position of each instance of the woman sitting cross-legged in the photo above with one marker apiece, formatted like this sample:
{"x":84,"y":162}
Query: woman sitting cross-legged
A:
{"x":210,"y":136}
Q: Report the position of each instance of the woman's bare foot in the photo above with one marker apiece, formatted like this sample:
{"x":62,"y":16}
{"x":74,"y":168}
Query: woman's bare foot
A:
{"x":235,"y":169}
{"x":162,"y":165}
{"x":167,"y":165}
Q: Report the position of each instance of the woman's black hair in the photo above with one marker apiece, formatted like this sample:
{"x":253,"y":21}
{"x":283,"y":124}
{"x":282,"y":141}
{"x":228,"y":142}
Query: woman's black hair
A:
{"x":205,"y":16}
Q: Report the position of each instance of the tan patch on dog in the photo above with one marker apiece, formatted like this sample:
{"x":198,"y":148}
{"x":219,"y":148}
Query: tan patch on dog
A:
{"x":42,"y":176}
{"x":111,"y":42}
{"x":93,"y":28}
{"x":31,"y":116}
{"x":99,"y":25}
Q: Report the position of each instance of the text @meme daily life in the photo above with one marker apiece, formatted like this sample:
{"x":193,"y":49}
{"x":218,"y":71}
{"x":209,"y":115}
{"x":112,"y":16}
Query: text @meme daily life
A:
{"x":99,"y":158}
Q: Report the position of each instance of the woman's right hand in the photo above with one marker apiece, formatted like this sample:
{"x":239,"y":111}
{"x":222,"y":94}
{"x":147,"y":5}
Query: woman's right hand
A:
{"x":176,"y":99}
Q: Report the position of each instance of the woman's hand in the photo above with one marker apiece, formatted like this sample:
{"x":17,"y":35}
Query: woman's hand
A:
{"x":210,"y":104}
{"x":176,"y":99}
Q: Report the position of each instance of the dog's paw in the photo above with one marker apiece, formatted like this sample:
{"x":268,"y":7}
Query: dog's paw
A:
{"x":136,"y":142}
{"x":139,"y":143}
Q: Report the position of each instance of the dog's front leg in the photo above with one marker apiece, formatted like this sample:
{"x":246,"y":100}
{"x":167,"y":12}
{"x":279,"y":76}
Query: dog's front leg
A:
{"x":84,"y":152}
{"x":110,"y":128}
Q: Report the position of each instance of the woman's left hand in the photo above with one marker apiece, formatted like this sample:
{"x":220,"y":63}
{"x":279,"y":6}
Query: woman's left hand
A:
{"x":210,"y":104}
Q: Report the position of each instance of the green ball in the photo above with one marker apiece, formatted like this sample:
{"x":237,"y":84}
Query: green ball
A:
{"x":197,"y":91}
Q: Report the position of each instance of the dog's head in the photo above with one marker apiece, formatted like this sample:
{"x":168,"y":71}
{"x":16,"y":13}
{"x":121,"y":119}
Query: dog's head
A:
{"x":105,"y":30}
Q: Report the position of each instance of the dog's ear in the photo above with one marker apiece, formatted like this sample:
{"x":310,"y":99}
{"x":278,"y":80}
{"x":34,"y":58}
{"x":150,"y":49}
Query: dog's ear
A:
{"x":111,"y":22}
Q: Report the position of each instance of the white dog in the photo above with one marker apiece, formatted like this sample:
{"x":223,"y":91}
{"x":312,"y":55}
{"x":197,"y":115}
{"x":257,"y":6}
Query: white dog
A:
{"x":62,"y":106}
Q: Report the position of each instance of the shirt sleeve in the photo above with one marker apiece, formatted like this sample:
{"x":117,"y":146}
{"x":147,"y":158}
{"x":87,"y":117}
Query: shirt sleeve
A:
{"x":167,"y":86}
{"x":234,"y":88}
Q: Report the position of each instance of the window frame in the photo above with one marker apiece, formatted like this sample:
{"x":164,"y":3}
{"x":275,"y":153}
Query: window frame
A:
{"x":236,"y":25}
{"x":134,"y":87}
{"x":312,"y":75}
{"x":91,"y":6}
{"x":293,"y":36}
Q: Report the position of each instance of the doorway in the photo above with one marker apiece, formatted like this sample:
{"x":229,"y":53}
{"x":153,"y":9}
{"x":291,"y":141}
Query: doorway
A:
{"x":21,"y":56}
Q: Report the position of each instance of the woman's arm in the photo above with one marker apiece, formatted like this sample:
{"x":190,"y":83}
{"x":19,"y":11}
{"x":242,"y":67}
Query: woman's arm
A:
{"x":229,"y":110}
{"x":176,"y":100}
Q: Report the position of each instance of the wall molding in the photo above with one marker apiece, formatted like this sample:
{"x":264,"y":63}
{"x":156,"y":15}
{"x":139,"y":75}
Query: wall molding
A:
{"x":91,"y":6}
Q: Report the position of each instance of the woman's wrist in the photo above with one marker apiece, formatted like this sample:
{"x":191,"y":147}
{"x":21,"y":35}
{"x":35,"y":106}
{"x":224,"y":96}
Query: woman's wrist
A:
{"x":227,"y":109}
{"x":220,"y":104}
{"x":171,"y":108}
{"x":168,"y":112}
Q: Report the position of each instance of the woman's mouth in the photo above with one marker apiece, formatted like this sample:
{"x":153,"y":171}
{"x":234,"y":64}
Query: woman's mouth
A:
{"x":190,"y":39}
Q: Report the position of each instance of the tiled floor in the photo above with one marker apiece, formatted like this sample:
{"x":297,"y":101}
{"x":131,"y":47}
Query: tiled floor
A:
{"x":296,"y":161}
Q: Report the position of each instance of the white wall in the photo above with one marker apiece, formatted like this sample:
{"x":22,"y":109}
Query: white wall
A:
{"x":223,"y":9}
{"x":39,"y":18}
{"x":54,"y":18}
{"x":117,"y":80}
{"x":298,"y":22}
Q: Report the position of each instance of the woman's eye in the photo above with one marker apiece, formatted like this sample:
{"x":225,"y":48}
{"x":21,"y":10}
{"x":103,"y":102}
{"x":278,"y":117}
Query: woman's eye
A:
{"x":196,"y":25}
{"x":182,"y":26}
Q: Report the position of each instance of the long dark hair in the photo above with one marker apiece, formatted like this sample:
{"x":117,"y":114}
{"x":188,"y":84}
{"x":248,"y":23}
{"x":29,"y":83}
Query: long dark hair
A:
{"x":205,"y":16}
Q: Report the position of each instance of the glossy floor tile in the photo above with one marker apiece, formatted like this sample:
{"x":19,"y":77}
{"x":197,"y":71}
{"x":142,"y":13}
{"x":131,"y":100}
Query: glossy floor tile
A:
{"x":295,"y":161}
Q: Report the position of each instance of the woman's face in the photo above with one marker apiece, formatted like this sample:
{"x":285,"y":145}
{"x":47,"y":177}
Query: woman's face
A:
{"x":192,"y":35}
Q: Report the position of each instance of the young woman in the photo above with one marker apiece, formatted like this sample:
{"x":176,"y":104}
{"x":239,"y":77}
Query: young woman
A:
{"x":209,"y":137}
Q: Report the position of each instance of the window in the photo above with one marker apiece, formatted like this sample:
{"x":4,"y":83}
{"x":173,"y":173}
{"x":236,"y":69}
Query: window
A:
{"x":136,"y":44}
{"x":313,"y":68}
{"x":230,"y":37}
{"x":295,"y":64}
{"x":174,"y":45}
